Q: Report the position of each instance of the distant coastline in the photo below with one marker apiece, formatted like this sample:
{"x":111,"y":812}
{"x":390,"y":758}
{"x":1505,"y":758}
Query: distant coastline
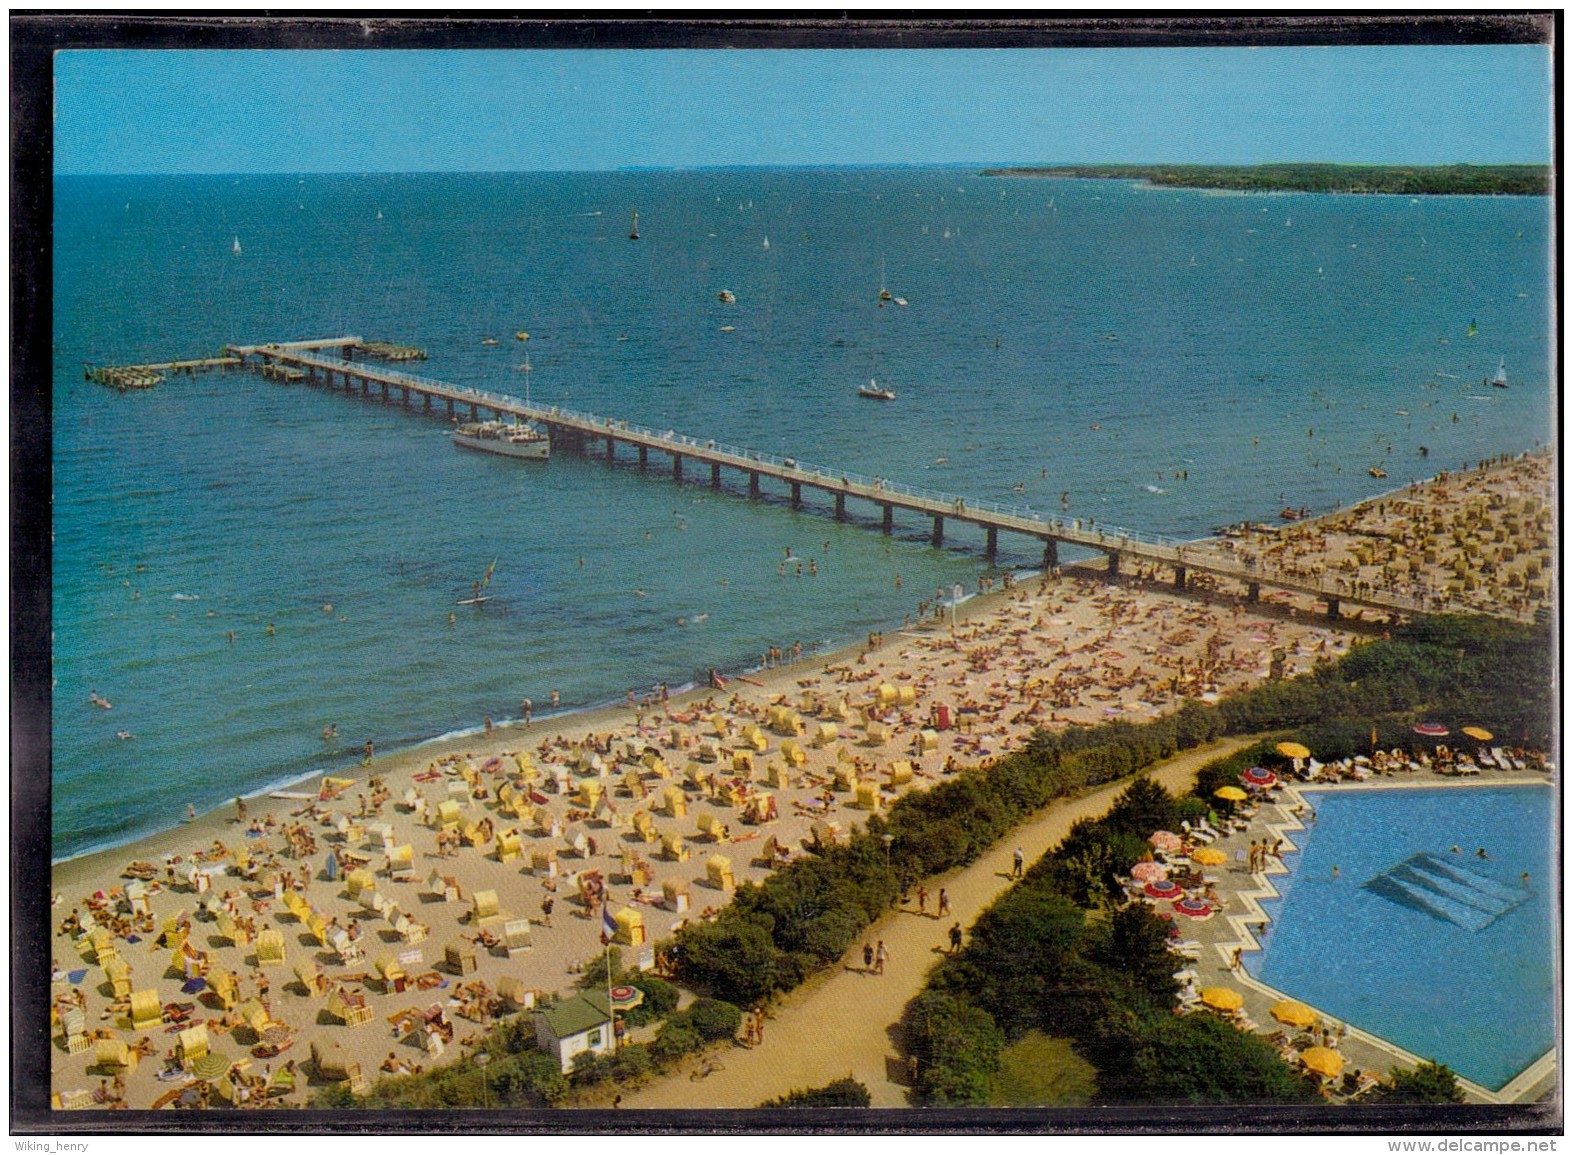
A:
{"x":1369,"y":179}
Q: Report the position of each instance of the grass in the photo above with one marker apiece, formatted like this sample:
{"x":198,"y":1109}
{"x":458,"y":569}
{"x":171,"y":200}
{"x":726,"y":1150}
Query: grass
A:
{"x":1040,"y":1071}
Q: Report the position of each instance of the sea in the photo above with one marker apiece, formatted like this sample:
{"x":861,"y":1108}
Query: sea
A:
{"x":239,"y":563}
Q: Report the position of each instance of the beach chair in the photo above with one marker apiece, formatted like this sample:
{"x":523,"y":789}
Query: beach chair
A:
{"x":347,"y":949}
{"x":73,"y":1026}
{"x":754,"y":739}
{"x":358,"y":880}
{"x":447,"y":815}
{"x":672,"y":846}
{"x":118,"y":972}
{"x":483,"y":907}
{"x":778,"y":776}
{"x":516,"y":936}
{"x":223,"y":986}
{"x":232,"y":930}
{"x":459,"y":957}
{"x":769,"y":852}
{"x":794,"y":754}
{"x":113,"y":1056}
{"x":313,"y":980}
{"x":173,"y":932}
{"x":711,"y":827}
{"x":718,"y":872}
{"x":382,"y":835}
{"x":509,"y":846}
{"x":824,"y":734}
{"x":543,"y":862}
{"x":392,"y":973}
{"x":146,"y":1011}
{"x":867,"y":796}
{"x":900,"y":772}
{"x":317,"y":926}
{"x":906,"y":696}
{"x":928,"y":741}
{"x":743,"y":764}
{"x":674,"y":896}
{"x":674,"y":801}
{"x":630,"y":927}
{"x":876,"y":734}
{"x":270,"y":948}
{"x":825,"y":833}
{"x":349,"y":1006}
{"x":838,"y":711}
{"x":102,"y":944}
{"x":644,"y":826}
{"x":657,"y":765}
{"x":444,"y":886}
{"x":191,"y":1044}
{"x":401,"y":863}
{"x":334,"y":1065}
{"x":255,"y":1015}
{"x":409,"y":929}
{"x":512,"y":988}
{"x":709,"y":750}
{"x":589,"y":790}
{"x":577,"y":839}
{"x":296,"y":905}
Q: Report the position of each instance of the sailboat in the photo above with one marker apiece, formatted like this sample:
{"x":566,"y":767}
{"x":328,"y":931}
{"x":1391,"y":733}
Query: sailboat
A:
{"x":874,"y":393}
{"x":633,"y":231}
{"x":477,"y":598}
{"x":235,"y":248}
{"x":1500,"y":380}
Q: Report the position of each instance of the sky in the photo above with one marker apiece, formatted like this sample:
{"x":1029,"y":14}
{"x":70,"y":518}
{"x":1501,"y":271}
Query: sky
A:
{"x":175,"y":111}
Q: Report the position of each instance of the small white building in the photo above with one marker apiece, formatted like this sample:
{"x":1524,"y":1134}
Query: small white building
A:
{"x":574,"y":1025}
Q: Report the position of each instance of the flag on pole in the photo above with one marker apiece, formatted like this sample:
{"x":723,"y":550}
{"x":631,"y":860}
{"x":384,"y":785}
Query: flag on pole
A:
{"x":608,"y":923}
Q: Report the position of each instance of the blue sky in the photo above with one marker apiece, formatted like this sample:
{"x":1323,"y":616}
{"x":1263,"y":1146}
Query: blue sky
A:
{"x":366,"y":111}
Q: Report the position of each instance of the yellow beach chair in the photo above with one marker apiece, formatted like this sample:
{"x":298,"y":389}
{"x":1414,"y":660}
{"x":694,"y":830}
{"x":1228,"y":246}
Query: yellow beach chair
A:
{"x":224,"y":987}
{"x":718,"y":872}
{"x":232,"y":930}
{"x":102,"y":944}
{"x":867,"y":796}
{"x":509,"y":846}
{"x":512,"y":988}
{"x":711,"y":827}
{"x":906,"y":696}
{"x":674,"y":895}
{"x":778,"y":776}
{"x":392,"y":973}
{"x":401,"y":862}
{"x":543,"y":862}
{"x":876,"y":734}
{"x":630,"y":927}
{"x":900,"y":772}
{"x":349,"y":1007}
{"x":928,"y":741}
{"x":743,"y":764}
{"x":674,"y":801}
{"x":447,"y":815}
{"x":825,"y":733}
{"x":118,"y":971}
{"x":754,"y":738}
{"x":358,"y":880}
{"x":191,"y":1044}
{"x":113,"y":1056}
{"x":483,"y":907}
{"x":644,"y":826}
{"x":516,"y":936}
{"x":459,"y":957}
{"x":270,"y":948}
{"x":794,"y":754}
{"x":146,"y":1011}
{"x":672,"y":846}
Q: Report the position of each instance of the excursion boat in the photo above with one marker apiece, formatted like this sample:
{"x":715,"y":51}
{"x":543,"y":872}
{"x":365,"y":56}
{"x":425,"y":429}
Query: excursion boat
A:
{"x":874,"y":393}
{"x":506,"y":439}
{"x":1500,"y":380}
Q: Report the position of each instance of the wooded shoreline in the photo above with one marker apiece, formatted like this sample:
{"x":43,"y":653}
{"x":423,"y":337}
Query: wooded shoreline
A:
{"x":1392,"y":180}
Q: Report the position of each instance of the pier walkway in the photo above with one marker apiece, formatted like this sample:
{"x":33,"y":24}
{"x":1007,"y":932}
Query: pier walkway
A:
{"x":592,"y":433}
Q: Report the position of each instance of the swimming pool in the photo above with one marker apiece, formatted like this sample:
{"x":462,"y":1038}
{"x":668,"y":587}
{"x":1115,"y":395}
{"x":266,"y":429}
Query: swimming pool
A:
{"x":1449,"y":955}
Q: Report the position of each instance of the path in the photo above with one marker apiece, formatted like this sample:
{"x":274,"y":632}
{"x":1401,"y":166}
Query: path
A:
{"x":842,"y":1025}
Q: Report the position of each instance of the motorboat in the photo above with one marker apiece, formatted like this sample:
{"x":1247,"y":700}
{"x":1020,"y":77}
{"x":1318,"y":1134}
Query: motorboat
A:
{"x":874,"y":393}
{"x":505,"y":438}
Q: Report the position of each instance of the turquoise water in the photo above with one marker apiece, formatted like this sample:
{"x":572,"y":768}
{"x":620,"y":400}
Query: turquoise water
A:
{"x":1270,"y":370}
{"x":1458,"y":967}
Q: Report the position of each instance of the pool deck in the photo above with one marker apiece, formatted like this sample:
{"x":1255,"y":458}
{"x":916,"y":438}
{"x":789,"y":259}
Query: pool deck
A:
{"x":1243,"y":892}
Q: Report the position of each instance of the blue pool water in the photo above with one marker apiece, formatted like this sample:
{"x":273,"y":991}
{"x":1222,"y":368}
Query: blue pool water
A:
{"x":1448,"y":955}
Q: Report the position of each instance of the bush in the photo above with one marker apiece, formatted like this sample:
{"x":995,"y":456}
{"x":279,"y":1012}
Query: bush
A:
{"x":1427,"y":1083}
{"x":715,"y":1019}
{"x":676,"y":1038}
{"x":846,"y":1092}
{"x":631,"y":1064}
{"x":660,"y":1000}
{"x":957,"y":1047}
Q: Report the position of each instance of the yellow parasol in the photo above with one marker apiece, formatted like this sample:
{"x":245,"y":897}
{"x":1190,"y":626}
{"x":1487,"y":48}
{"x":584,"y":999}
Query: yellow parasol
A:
{"x":1223,"y":998}
{"x":1207,"y":856}
{"x":1323,"y":1061}
{"x":1477,"y":733}
{"x":1293,"y":750}
{"x":1293,"y":1013}
{"x":1230,"y":794}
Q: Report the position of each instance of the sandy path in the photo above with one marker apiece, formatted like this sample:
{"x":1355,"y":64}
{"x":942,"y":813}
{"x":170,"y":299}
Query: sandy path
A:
{"x":843,"y":1025}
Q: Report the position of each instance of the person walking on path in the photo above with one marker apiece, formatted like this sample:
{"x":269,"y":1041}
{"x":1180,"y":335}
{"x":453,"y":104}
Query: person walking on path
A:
{"x":955,"y":937}
{"x":923,"y":900}
{"x":944,"y":903}
{"x":868,"y":958}
{"x":1018,"y":860}
{"x":881,"y":957}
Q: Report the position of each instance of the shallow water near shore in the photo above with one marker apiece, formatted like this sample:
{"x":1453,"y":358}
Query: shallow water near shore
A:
{"x":1064,"y":337}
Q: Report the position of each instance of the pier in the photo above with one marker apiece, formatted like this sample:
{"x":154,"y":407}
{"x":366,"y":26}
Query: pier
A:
{"x":607,"y":437}
{"x":123,"y":377}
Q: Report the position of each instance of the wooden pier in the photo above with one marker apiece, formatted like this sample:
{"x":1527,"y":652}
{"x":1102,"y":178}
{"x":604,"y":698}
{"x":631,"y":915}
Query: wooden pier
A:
{"x":125,"y":377}
{"x":701,"y":459}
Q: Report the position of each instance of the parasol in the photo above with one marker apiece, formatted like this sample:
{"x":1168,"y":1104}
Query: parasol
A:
{"x":1164,"y":840}
{"x":1477,"y":733}
{"x":211,"y":1066}
{"x":1193,"y":907}
{"x":1230,"y":794}
{"x":1149,"y":871}
{"x":1163,"y":888}
{"x":1323,"y":1061}
{"x":1223,"y":998}
{"x":1293,"y":750}
{"x":1293,"y":1013}
{"x":1258,"y":776}
{"x":1207,"y":856}
{"x":1431,"y":730}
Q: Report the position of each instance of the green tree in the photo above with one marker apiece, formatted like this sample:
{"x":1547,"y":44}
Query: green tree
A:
{"x":1427,"y":1083}
{"x":957,"y":1047}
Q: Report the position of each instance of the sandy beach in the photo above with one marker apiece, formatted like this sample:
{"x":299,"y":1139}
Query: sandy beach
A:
{"x":447,"y":855}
